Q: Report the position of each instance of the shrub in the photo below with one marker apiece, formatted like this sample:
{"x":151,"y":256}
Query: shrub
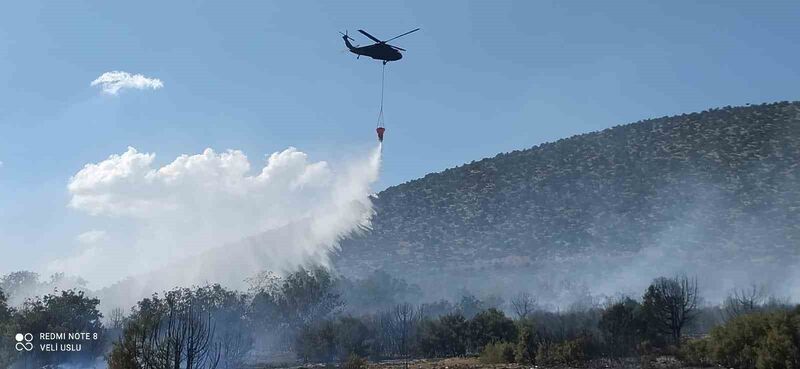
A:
{"x":696,"y":352}
{"x":568,"y":352}
{"x":354,"y":362}
{"x":781,"y":347}
{"x":352,"y":337}
{"x":316,"y":343}
{"x":525,"y":352}
{"x":498,"y":353}
{"x":760,"y":340}
{"x":735,"y":343}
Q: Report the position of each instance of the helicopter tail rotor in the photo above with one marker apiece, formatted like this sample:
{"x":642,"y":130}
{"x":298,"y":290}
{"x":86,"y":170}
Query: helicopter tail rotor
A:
{"x":345,"y":36}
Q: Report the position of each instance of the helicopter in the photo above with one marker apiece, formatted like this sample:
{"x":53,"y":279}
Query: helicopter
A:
{"x":380,"y":50}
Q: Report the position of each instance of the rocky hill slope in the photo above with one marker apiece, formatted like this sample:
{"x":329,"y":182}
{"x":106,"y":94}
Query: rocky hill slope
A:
{"x":719,"y":188}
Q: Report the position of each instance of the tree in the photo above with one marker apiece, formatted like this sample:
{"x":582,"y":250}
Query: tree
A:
{"x":204,"y":327}
{"x":444,"y":337}
{"x":115,"y":324}
{"x":7,"y":331}
{"x":623,"y":326}
{"x":744,"y":301}
{"x":116,"y":319}
{"x":470,"y":305}
{"x":5,"y":310}
{"x":333,"y":339}
{"x":20,"y":285}
{"x":229,"y":312}
{"x":436,"y":309}
{"x":525,"y":351}
{"x":670,"y":303}
{"x":523,"y":305}
{"x":187,"y":340}
{"x":316,"y":342}
{"x":378,"y":291}
{"x":490,"y":326}
{"x":174,"y":332}
{"x":404,"y":321}
{"x":297,"y":300}
{"x":67,"y":312}
{"x":352,"y":337}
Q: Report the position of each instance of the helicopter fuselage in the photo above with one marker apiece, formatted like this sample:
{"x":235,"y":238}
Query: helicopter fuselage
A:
{"x":378,"y":51}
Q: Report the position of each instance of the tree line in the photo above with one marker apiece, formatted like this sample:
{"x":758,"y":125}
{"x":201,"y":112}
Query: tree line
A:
{"x":306,"y":314}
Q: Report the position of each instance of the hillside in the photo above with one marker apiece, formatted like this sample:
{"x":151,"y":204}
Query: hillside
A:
{"x":716,"y":189}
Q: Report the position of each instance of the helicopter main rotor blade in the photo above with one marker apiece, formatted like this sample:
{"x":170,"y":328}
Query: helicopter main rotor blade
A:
{"x":371,"y":37}
{"x":396,"y":37}
{"x":397,"y":48}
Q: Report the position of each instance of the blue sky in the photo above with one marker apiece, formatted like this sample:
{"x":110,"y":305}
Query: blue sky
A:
{"x":259,"y":76}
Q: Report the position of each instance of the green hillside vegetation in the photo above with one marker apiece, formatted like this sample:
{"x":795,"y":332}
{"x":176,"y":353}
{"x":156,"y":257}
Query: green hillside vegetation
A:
{"x":720,"y":185}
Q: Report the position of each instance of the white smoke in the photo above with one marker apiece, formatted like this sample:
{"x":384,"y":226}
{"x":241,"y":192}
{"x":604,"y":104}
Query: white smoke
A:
{"x":209,"y":218}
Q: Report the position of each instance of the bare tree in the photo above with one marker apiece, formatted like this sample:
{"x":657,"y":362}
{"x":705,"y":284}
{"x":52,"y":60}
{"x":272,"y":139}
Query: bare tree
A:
{"x":174,"y":338}
{"x":523,"y":304}
{"x":397,"y":328}
{"x":234,"y":345}
{"x":116,"y":319}
{"x":744,"y":301}
{"x":405,"y":320}
{"x":201,"y":349}
{"x":671,"y":303}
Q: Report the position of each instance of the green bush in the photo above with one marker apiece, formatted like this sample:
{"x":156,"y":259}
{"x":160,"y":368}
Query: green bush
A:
{"x":760,"y":341}
{"x":735,"y":343}
{"x":781,"y":347}
{"x":570,"y":352}
{"x":497,"y":353}
{"x":696,"y":352}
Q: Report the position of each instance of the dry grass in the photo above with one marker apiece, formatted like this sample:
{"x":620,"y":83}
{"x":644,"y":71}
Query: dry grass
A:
{"x":473,"y":363}
{"x":449,"y":363}
{"x":662,"y":362}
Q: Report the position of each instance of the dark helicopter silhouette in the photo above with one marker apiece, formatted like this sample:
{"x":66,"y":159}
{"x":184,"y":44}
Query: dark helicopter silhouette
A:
{"x":380,"y":50}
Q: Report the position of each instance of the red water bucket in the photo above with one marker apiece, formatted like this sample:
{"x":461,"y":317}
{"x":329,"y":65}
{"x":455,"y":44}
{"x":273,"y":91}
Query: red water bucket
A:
{"x":380,"y":131}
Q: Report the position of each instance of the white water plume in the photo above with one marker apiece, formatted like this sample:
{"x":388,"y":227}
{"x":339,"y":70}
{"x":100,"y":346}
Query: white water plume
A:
{"x":205,"y":219}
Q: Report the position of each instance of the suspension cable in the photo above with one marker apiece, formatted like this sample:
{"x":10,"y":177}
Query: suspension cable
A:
{"x":383,"y":79}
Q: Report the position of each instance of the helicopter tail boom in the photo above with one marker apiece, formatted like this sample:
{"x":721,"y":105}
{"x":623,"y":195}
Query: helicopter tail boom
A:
{"x":347,"y":39}
{"x":347,"y":43}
